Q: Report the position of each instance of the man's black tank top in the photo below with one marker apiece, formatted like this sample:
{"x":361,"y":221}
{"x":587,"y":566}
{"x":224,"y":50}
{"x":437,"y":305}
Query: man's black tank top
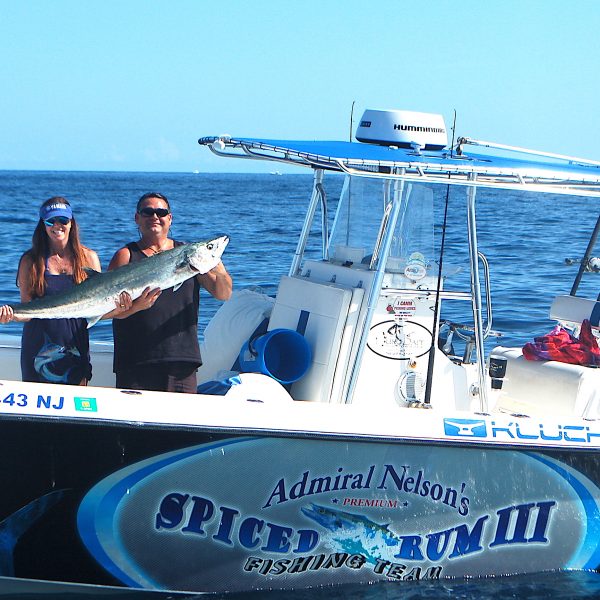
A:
{"x":166,"y":332}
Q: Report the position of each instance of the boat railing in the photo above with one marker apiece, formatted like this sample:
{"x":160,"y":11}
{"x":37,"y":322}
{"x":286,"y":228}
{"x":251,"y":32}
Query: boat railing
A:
{"x":492,"y":178}
{"x":462,"y":141}
{"x":317,"y":198}
{"x":427,"y":293}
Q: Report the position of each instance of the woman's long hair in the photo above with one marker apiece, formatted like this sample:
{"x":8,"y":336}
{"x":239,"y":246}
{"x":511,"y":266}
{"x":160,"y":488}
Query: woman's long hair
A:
{"x":40,"y":249}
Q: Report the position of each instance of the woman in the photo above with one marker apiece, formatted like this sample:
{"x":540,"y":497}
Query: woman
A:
{"x":156,"y":340}
{"x":55,"y":350}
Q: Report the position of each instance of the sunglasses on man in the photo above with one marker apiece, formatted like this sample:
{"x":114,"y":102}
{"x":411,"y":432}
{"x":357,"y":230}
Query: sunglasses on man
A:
{"x":150,"y":212}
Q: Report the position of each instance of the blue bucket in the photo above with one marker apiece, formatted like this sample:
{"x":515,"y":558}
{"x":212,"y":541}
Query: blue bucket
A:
{"x":283,"y":354}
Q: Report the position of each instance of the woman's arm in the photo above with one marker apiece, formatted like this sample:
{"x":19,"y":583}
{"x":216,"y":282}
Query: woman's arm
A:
{"x":25,"y":266}
{"x":23,"y":281}
{"x":6,"y":311}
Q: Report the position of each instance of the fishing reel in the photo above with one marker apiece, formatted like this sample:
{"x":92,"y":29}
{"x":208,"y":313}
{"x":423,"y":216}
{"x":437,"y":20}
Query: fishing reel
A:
{"x":592,"y":265}
{"x":449,"y":330}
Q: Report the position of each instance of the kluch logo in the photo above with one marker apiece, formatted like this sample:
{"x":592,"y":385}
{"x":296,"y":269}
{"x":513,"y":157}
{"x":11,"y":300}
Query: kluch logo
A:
{"x":515,"y":430}
{"x":465,"y":427}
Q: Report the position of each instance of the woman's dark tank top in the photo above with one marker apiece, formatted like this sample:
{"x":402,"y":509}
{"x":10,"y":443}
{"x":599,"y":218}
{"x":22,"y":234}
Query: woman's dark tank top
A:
{"x":164,"y":333}
{"x":56,"y":350}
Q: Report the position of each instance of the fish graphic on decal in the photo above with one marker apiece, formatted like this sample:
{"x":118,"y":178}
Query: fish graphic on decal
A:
{"x":354,"y":533}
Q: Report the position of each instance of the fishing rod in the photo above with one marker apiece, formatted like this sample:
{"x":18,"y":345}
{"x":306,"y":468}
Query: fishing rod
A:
{"x":436,"y":309}
{"x":586,"y":258}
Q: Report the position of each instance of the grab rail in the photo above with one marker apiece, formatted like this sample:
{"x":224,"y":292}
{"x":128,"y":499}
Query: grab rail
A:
{"x":475,"y":289}
{"x":488,"y":294}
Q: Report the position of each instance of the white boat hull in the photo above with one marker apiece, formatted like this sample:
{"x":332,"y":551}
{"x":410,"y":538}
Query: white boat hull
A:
{"x":229,"y":493}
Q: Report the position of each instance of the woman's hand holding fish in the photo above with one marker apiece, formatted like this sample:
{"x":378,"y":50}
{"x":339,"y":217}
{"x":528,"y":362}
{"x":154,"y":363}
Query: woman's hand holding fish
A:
{"x":126,"y":307}
{"x":6,"y":314}
{"x":123,"y":303}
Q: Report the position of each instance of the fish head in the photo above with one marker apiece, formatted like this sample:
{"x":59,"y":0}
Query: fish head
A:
{"x":56,"y":363}
{"x":204,"y":256}
{"x":331,"y":519}
{"x":339,"y":520}
{"x":52,"y":352}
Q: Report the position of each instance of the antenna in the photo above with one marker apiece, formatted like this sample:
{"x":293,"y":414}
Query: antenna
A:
{"x":352,"y":119}
{"x":453,"y":132}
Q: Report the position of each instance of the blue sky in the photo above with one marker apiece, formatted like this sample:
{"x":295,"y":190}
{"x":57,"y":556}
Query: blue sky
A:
{"x":130,"y":85}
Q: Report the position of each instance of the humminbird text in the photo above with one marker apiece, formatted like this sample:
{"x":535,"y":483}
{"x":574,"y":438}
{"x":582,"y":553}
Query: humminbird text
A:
{"x":419,"y":128}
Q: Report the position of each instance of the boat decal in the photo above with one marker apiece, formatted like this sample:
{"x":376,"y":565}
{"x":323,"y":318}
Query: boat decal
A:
{"x":589,"y":546}
{"x":465,"y":427}
{"x":399,"y":340}
{"x":368,"y":511}
{"x":520,"y":430}
{"x":12,"y":400}
{"x":85,"y":404}
{"x":103,"y":501}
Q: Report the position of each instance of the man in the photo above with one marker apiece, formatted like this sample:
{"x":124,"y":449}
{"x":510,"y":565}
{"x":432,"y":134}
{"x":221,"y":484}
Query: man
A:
{"x":156,"y":340}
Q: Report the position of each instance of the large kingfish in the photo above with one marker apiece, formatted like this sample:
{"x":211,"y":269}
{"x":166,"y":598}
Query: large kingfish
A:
{"x":98,"y":294}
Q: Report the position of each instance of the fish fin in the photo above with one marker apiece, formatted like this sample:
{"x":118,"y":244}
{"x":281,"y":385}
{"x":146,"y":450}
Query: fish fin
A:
{"x":177,"y":286}
{"x":93,"y":320}
{"x":90,"y":272}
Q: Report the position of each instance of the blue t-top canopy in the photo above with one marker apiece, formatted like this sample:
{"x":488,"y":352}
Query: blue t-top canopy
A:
{"x":497,"y":166}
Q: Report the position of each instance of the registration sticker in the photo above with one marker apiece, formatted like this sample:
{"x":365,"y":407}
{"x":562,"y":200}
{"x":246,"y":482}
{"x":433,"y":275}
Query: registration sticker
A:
{"x":85,"y":404}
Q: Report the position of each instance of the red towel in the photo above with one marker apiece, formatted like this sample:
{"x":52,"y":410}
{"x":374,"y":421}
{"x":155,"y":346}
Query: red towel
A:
{"x":560,"y":345}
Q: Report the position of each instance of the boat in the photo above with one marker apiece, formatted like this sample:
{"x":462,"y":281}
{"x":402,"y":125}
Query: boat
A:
{"x":343,"y":432}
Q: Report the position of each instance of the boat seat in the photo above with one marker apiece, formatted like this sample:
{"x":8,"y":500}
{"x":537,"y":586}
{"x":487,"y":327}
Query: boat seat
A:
{"x":355,"y":275}
{"x":550,"y":386}
{"x":101,"y":355}
{"x":326,"y":314}
{"x":229,"y":329}
{"x":572,"y":310}
{"x":10,"y":357}
{"x":543,"y":387}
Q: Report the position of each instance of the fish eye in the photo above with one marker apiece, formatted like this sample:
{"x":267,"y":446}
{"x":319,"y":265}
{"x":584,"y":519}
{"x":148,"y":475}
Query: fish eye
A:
{"x":209,"y":246}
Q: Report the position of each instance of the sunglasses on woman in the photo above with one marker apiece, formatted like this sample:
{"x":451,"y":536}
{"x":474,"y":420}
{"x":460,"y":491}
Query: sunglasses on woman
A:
{"x":149,"y":212}
{"x":53,"y":220}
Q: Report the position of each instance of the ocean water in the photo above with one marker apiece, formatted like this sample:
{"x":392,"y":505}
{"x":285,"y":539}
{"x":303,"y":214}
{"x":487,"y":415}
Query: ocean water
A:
{"x":263,"y":214}
{"x":258,"y":218}
{"x":525,"y":238}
